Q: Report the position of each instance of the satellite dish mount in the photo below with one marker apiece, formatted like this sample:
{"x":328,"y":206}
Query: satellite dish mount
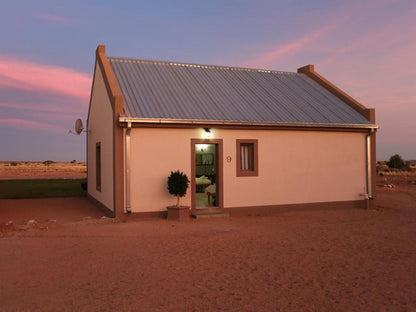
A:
{"x":78,"y":127}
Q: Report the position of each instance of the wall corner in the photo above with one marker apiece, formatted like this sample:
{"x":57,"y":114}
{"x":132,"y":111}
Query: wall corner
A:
{"x":118,"y":152}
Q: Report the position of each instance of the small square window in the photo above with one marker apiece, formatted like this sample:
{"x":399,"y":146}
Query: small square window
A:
{"x":247,"y":158}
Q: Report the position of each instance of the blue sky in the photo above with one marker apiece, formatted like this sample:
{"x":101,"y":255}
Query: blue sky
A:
{"x":47,"y":52}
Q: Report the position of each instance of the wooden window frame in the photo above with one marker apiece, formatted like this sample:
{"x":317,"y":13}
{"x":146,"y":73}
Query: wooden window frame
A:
{"x":255,"y":162}
{"x":98,"y":166}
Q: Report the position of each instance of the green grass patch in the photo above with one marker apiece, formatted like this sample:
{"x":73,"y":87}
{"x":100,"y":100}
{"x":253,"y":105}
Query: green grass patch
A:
{"x":13,"y":189}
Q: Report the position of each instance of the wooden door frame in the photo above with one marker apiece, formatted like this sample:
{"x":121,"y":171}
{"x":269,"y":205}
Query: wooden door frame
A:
{"x":219,"y":173}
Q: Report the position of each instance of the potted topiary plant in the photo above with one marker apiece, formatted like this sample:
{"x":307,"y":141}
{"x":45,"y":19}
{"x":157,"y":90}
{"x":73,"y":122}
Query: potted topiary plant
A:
{"x":178,"y":183}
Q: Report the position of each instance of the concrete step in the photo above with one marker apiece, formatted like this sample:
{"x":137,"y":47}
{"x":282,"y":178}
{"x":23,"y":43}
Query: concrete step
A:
{"x":209,"y":213}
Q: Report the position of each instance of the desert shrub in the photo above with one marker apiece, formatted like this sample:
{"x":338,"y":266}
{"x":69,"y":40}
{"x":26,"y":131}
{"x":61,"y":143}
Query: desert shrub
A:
{"x":48,"y":162}
{"x":13,"y":164}
{"x":396,"y":162}
{"x":73,"y":161}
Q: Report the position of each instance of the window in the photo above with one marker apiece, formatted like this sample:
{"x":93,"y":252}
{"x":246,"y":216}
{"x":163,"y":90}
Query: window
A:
{"x":247,"y":158}
{"x":98,"y":166}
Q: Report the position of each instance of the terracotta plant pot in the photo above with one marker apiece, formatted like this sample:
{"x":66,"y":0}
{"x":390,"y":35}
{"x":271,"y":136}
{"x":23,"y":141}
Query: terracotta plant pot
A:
{"x":180,"y":213}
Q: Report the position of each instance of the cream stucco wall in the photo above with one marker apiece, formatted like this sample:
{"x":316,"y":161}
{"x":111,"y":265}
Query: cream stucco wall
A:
{"x":154,"y":154}
{"x":297,"y":167}
{"x":100,"y":129}
{"x":294,"y":167}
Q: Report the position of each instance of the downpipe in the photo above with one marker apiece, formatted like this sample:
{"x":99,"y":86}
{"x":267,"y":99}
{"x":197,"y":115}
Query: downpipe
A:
{"x":369,"y":195}
{"x":127,"y":167}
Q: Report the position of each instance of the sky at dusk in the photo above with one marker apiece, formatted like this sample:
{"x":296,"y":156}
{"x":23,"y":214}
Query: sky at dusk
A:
{"x":47,"y":51}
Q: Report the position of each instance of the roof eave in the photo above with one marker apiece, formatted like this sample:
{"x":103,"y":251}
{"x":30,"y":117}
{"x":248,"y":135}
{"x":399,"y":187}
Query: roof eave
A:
{"x":135,"y":120}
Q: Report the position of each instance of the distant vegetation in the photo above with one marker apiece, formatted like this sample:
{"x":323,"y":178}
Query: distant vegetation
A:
{"x":397,"y":162}
{"x":12,"y":189}
{"x":396,"y":166}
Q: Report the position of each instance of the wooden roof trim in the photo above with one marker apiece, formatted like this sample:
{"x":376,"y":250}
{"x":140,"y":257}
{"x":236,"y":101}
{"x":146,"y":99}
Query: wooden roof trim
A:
{"x":368,"y":113}
{"x":110,"y":81}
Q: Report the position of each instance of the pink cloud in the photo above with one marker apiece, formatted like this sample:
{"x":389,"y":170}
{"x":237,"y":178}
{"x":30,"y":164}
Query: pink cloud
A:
{"x":44,"y":78}
{"x":41,"y":108}
{"x":275,"y":53}
{"x":369,"y":45}
{"x":61,"y":119}
{"x":28,"y":125}
{"x":377,"y":66}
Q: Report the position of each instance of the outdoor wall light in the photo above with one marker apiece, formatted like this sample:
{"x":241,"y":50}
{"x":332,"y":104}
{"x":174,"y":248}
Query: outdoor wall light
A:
{"x":207,"y":133}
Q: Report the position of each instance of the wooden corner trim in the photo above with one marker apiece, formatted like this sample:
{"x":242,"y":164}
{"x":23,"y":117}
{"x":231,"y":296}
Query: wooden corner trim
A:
{"x":309,"y":70}
{"x":118,"y":171}
{"x":117,"y":105}
{"x":373,"y":162}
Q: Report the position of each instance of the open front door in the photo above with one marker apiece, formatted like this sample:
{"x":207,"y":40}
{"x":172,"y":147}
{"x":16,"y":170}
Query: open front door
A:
{"x":206,"y":182}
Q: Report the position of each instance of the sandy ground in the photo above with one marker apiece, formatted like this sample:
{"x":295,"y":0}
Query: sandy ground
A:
{"x":39,"y":170}
{"x":61,"y":210}
{"x":345,"y":260}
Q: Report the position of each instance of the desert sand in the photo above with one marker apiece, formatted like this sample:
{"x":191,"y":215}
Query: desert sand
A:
{"x":39,"y":170}
{"x":341,"y":260}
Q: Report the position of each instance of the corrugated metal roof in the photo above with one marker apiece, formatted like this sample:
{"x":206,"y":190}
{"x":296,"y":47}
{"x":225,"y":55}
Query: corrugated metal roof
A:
{"x":177,"y":91}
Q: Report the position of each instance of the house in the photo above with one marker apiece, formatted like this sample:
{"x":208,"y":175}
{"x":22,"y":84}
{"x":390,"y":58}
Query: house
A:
{"x":251,"y":141}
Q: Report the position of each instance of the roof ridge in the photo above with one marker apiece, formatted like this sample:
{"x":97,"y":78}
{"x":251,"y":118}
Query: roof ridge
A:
{"x":156,"y":62}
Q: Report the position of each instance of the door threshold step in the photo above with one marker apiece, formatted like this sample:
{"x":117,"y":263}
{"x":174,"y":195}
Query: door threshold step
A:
{"x":209,"y":214}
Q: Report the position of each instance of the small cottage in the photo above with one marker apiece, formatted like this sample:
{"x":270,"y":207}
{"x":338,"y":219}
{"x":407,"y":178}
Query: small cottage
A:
{"x":251,"y":141}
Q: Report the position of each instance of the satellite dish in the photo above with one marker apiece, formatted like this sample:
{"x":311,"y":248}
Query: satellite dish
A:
{"x":78,"y":126}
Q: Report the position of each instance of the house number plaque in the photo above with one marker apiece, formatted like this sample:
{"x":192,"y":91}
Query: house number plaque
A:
{"x":228,"y":158}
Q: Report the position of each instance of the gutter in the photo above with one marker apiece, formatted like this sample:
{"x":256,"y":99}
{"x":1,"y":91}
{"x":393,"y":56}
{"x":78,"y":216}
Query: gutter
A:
{"x":127,"y":168}
{"x":124,"y":119}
